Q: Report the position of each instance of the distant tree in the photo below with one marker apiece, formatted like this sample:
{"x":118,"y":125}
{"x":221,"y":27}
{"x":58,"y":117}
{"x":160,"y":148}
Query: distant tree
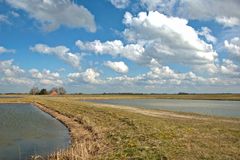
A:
{"x":182,"y":93}
{"x":34,"y":91}
{"x":61,"y":91}
{"x":43,"y":92}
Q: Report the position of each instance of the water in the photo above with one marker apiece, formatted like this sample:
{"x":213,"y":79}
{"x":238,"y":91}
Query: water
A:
{"x":206,"y":107}
{"x":25,"y":130}
{"x":10,"y":97}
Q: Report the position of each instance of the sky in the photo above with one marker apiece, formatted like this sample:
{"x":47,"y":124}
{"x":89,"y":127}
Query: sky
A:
{"x":97,"y":46}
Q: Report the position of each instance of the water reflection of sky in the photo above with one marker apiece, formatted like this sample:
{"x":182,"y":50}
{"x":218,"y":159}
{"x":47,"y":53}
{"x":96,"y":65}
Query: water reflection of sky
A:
{"x":207,"y":107}
{"x":26,"y":130}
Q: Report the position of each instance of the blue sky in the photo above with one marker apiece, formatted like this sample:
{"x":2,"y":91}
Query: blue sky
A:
{"x":95,"y":46}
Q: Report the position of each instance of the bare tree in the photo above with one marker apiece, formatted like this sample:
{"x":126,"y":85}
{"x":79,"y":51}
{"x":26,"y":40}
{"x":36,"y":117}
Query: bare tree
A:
{"x":34,"y":91}
{"x":61,"y":91}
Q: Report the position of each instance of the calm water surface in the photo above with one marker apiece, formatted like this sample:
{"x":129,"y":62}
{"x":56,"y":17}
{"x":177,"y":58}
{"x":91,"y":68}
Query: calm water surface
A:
{"x":10,"y":97}
{"x":207,"y":107}
{"x":26,"y":130}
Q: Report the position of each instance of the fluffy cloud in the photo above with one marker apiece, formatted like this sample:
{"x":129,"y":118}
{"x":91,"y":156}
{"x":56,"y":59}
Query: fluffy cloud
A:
{"x":89,"y":76}
{"x":233,"y":46}
{"x":228,"y":21}
{"x":158,"y":76}
{"x":8,"y":69}
{"x":61,"y":52}
{"x":119,"y":67}
{"x":12,"y":74}
{"x":17,"y":81}
{"x":229,"y":68}
{"x":4,"y":50}
{"x":154,"y":41}
{"x":109,"y":47}
{"x":46,"y":77}
{"x":115,"y":48}
{"x":54,"y":13}
{"x":205,"y":9}
{"x":154,"y":36}
{"x":167,"y":43}
{"x":15,"y":75}
{"x":164,"y":6}
{"x":44,"y":74}
{"x":224,"y":12}
{"x":124,"y":81}
{"x":120,"y":3}
{"x":3,"y":19}
{"x":165,"y":75}
{"x":206,"y":32}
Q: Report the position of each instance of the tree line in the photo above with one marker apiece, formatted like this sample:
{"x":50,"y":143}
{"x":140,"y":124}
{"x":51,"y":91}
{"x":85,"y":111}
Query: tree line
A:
{"x":43,"y":91}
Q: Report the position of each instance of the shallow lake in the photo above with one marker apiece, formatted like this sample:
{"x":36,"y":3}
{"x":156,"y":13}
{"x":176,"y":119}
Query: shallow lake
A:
{"x":25,"y":130}
{"x":207,"y":107}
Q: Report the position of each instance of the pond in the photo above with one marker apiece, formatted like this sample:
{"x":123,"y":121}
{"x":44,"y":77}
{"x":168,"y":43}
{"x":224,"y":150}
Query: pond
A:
{"x":25,"y":130}
{"x":206,"y":107}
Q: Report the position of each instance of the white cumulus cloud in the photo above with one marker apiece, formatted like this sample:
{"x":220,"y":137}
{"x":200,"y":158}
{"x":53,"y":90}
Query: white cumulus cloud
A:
{"x":165,"y":42}
{"x":224,"y":12}
{"x":205,"y":9}
{"x":13,"y":74}
{"x":9,"y":69}
{"x":120,"y":3}
{"x":119,"y":67}
{"x":88,"y":76}
{"x":61,"y":52}
{"x":233,"y":46}
{"x":54,"y":13}
{"x":114,"y":48}
{"x":154,"y":36}
{"x":4,"y":50}
{"x":228,"y":21}
{"x":206,"y":32}
{"x":229,"y":68}
{"x":46,"y":77}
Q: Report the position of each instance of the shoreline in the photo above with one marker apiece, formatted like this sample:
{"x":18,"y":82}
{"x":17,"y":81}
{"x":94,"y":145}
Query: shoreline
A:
{"x":76,"y":130}
{"x":219,"y":97}
{"x":195,"y":99}
{"x":167,"y":113}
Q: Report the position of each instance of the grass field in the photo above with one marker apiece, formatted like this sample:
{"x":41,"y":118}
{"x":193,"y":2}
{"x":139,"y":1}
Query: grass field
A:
{"x":105,"y":132}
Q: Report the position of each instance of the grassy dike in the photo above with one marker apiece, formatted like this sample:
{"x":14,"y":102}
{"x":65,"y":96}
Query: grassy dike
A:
{"x":105,"y":132}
